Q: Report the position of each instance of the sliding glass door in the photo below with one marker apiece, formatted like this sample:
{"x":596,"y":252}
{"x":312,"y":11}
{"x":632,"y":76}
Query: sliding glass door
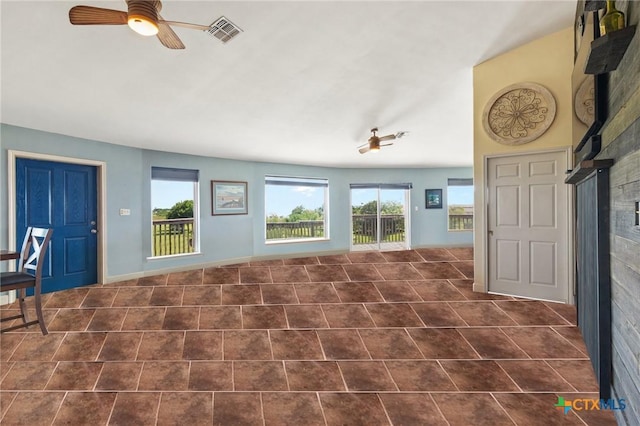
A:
{"x":379,"y":216}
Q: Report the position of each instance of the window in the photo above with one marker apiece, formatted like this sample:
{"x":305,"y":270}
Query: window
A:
{"x":174,"y":201}
{"x":295,"y":208}
{"x":460,"y":204}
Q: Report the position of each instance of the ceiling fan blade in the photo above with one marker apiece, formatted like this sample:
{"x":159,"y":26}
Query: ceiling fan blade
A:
{"x":168,"y":37}
{"x":387,"y":138}
{"x":89,"y":15}
{"x":185,"y":25}
{"x":386,"y":144}
{"x":364,"y":149}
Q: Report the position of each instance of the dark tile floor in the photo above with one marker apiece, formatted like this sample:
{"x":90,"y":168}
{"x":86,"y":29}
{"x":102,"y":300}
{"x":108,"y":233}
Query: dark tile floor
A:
{"x":358,"y":339}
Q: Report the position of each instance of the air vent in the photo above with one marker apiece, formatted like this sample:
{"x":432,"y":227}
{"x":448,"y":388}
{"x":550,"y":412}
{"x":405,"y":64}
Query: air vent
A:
{"x":223,"y":29}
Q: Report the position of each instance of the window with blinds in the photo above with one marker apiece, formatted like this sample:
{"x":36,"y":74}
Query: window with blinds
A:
{"x":174,"y":206}
{"x":296,"y":208}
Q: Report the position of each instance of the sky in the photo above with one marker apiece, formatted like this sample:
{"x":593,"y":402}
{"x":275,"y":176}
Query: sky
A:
{"x":460,"y":195}
{"x":283,"y":199}
{"x":164,"y":193}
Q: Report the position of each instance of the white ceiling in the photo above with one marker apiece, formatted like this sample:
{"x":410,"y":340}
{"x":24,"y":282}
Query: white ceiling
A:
{"x":303,"y":84}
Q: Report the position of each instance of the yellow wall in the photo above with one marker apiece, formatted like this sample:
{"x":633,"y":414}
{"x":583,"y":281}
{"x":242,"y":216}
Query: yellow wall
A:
{"x":547,"y":61}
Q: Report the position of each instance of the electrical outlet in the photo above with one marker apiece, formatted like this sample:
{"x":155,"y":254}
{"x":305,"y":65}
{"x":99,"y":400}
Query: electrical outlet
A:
{"x":125,"y":212}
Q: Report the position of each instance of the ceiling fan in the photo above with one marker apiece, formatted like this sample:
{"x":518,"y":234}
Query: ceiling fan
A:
{"x":142,"y":16}
{"x":373,"y":144}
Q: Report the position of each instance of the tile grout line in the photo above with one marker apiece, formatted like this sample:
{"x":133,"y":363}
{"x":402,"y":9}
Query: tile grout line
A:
{"x":457,"y":289}
{"x":286,"y":375}
{"x":324,"y":416}
{"x":457,"y":313}
{"x":415,"y":343}
{"x":506,"y":412}
{"x":514,"y":342}
{"x":384,"y":408}
{"x":424,"y":324}
{"x":560,"y":375}
{"x":567,"y":340}
{"x":344,"y":381}
{"x":363,"y":344}
{"x":438,"y":405}
{"x":509,"y":376}
{"x":448,"y":375}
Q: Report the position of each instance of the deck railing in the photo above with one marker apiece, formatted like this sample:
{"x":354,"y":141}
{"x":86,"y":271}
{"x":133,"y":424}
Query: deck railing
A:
{"x":175,"y":236}
{"x":365,"y":228}
{"x":460,"y":222}
{"x":172,"y":236}
{"x":301,"y":229}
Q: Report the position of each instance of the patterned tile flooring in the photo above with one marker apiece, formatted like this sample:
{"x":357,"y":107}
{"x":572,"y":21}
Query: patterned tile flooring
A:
{"x":366,"y":338}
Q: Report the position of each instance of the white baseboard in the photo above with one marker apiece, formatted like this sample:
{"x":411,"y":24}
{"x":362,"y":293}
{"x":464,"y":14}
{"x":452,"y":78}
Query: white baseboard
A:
{"x":478,"y":287}
{"x":443,"y":246}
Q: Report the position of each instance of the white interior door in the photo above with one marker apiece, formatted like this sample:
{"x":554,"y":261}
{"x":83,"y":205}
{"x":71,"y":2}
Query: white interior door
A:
{"x":528,"y":226}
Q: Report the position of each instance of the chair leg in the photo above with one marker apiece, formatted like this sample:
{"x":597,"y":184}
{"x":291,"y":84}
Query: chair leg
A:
{"x":22,"y":294}
{"x":38,"y":303}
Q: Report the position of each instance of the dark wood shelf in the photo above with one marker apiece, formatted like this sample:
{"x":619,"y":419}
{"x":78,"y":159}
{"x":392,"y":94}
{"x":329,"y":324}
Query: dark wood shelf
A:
{"x":607,"y":51}
{"x":589,"y":149}
{"x":585,"y":168}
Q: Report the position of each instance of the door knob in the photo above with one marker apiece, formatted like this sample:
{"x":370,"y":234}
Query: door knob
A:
{"x":94,"y":231}
{"x":490,"y":232}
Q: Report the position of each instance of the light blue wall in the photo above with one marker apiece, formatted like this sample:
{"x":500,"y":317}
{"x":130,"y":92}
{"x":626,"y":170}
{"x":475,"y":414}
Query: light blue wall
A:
{"x":222,"y":237}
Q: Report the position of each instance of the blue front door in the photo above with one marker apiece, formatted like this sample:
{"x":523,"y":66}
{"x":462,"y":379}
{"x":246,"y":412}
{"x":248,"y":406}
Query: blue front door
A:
{"x":63,"y":197}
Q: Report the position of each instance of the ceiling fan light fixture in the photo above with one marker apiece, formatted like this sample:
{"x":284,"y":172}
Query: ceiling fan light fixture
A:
{"x":142,"y":25}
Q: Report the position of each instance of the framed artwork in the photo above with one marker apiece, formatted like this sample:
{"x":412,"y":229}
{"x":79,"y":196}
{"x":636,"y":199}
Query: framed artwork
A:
{"x":433,"y":198}
{"x":228,"y":197}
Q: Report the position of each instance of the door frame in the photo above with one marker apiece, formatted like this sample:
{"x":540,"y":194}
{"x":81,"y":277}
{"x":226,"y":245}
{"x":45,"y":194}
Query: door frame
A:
{"x":101,"y":179}
{"x":568,"y":151}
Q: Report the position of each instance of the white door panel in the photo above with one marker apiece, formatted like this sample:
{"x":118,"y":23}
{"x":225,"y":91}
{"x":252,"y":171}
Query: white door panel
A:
{"x":527,"y":224}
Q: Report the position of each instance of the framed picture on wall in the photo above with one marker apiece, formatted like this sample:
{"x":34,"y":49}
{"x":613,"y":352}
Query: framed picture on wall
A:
{"x":433,"y":198}
{"x":228,"y":197}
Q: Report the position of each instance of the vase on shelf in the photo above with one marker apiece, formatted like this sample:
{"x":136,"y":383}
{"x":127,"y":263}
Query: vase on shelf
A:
{"x":612,"y":20}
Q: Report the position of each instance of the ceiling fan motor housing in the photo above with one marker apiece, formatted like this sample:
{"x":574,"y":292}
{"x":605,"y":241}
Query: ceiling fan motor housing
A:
{"x":144,"y":10}
{"x":374,"y":143}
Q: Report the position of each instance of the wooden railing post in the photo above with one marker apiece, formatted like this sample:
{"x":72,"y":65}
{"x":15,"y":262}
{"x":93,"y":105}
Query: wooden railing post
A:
{"x":172,"y":236}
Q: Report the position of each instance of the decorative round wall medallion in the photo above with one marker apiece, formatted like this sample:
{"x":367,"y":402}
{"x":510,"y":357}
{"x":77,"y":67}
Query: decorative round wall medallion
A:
{"x":519,"y":113}
{"x":584,"y":101}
